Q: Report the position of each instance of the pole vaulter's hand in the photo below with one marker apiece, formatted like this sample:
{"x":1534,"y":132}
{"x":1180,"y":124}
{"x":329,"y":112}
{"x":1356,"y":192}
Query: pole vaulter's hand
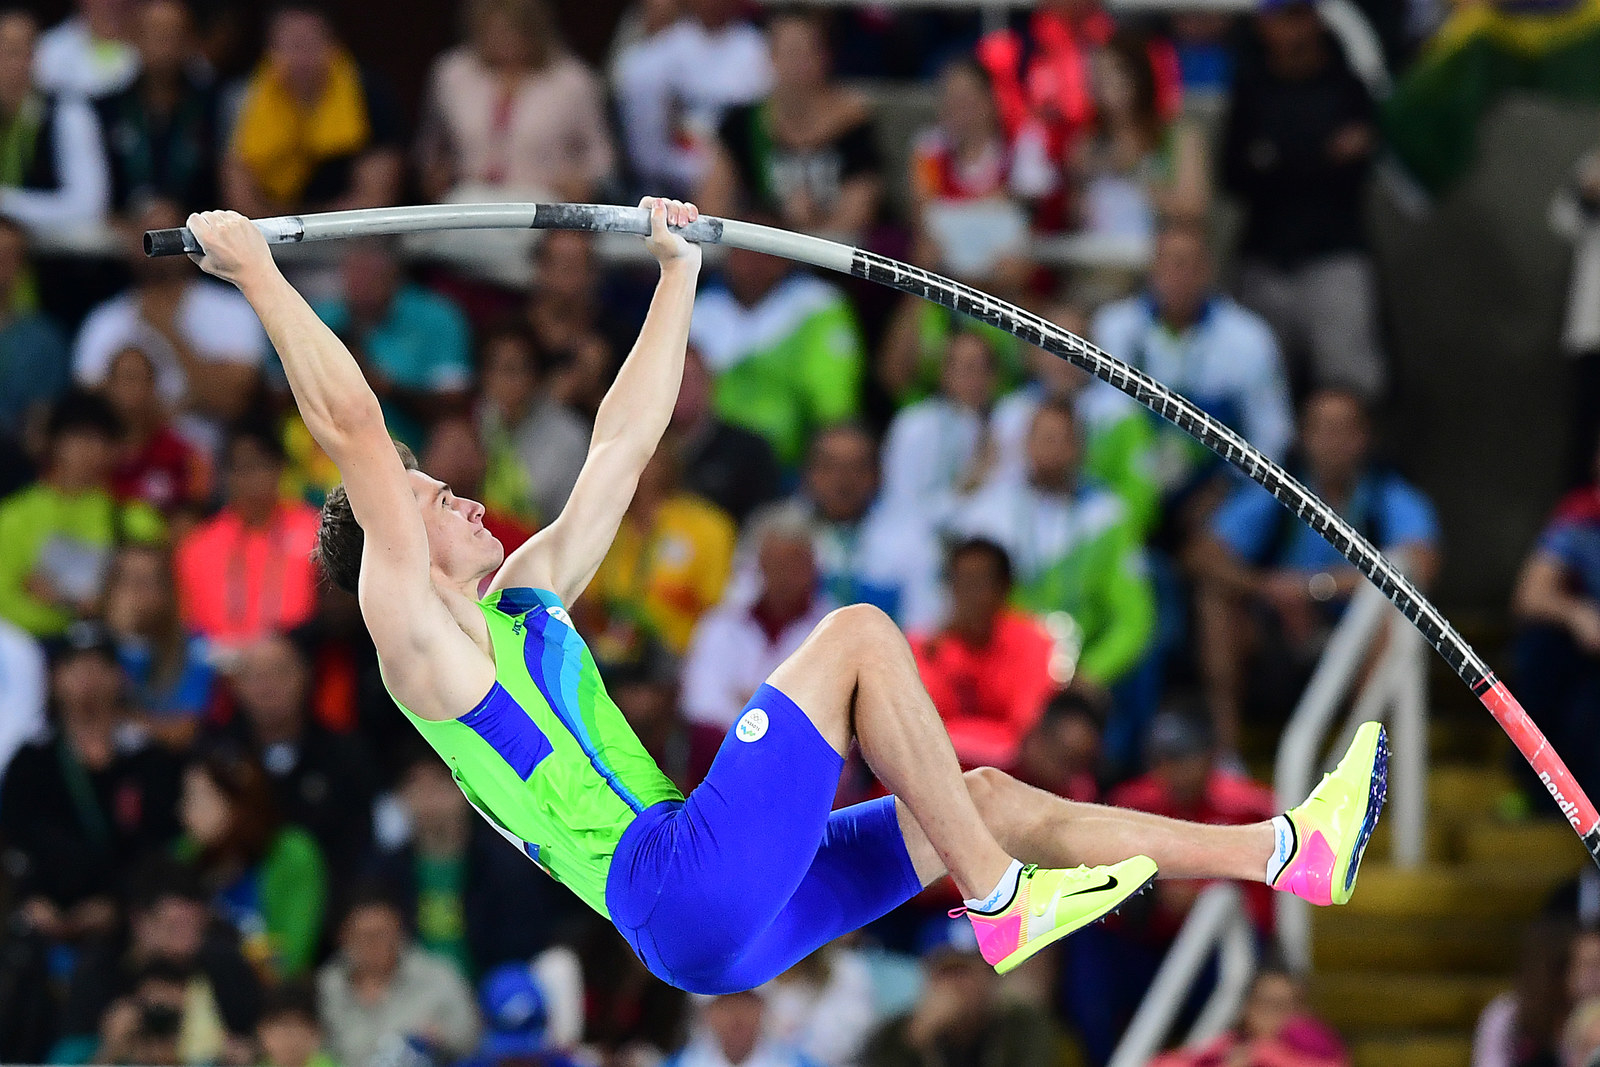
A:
{"x":666,"y":246}
{"x":235,"y":250}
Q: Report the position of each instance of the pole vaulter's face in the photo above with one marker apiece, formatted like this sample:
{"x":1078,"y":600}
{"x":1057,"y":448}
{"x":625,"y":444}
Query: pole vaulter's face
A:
{"x":458,"y":543}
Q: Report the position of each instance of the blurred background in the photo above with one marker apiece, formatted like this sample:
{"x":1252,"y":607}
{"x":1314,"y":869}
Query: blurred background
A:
{"x":1364,"y":233}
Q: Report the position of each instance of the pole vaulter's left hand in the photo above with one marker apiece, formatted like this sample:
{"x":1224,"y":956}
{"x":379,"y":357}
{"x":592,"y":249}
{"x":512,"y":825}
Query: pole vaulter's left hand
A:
{"x":666,"y":246}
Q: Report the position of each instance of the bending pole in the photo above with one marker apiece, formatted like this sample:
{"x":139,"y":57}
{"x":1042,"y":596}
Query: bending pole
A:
{"x":1028,"y":327}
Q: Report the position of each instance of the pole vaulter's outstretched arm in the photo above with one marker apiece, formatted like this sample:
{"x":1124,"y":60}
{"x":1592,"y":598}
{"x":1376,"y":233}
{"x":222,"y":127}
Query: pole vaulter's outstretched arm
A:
{"x":564,"y":556}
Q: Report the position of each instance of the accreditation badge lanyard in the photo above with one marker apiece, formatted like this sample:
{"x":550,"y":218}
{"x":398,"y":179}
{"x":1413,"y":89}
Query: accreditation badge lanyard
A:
{"x":237,"y":580}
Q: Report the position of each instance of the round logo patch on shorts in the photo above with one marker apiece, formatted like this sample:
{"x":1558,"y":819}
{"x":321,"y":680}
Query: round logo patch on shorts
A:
{"x":752,"y":725}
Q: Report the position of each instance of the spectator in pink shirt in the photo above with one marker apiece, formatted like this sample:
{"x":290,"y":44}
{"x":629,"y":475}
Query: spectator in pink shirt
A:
{"x":1274,"y":1030}
{"x":512,"y":109}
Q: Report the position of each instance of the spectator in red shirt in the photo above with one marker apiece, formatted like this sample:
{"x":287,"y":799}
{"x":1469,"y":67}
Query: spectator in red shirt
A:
{"x":247,"y":572}
{"x":156,"y":465}
{"x":1186,"y":782}
{"x":1111,"y":965}
{"x":991,"y":668}
{"x":1043,"y":76}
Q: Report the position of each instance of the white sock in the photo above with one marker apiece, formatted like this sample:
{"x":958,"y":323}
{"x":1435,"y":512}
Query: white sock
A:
{"x":1000,"y":899}
{"x":1284,"y":845}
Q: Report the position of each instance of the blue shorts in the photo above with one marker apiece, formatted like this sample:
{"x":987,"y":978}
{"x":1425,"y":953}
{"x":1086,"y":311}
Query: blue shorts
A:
{"x":755,"y":871}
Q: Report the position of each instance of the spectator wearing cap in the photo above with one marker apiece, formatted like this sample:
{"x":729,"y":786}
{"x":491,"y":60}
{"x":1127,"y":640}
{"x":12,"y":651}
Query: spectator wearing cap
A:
{"x":53,"y":175}
{"x":381,"y":991}
{"x":79,"y":805}
{"x":536,"y":447}
{"x":322,"y":781}
{"x":991,"y":667}
{"x":1557,"y":604}
{"x":1297,"y":146}
{"x":34,"y":365}
{"x":730,"y":466}
{"x":170,"y":675}
{"x":532,"y":1012}
{"x":155,"y":464}
{"x":170,"y":923}
{"x":414,"y":345}
{"x":866,"y":551}
{"x":467,"y":898}
{"x":959,"y":1016}
{"x":730,"y":1031}
{"x":806,"y":152}
{"x":247,"y":572}
{"x":290,"y":1033}
{"x":56,"y":535}
{"x":784,"y":350}
{"x":737,"y":645}
{"x":1062,"y":753}
{"x":208,"y":347}
{"x":674,"y":87}
{"x":316,"y":130}
{"x":162,"y":134}
{"x":1072,"y":545}
{"x":1274,"y":587}
{"x":667,"y":567}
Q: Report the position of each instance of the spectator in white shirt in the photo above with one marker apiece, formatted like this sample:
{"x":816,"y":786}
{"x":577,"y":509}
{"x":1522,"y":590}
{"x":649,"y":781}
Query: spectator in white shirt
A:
{"x":868,"y":552}
{"x":942,"y":448}
{"x":53,"y":172}
{"x":88,"y":54}
{"x":741,"y":641}
{"x":673,"y":87}
{"x":1191,"y":338}
{"x":1119,"y":437}
{"x":206,"y":343}
{"x":22,"y":690}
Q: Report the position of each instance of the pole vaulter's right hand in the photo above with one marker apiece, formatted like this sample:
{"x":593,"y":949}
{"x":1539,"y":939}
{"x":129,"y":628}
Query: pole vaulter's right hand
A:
{"x":666,"y":246}
{"x":235,"y":250}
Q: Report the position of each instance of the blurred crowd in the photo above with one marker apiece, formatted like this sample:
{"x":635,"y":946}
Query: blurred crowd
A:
{"x":219,"y":841}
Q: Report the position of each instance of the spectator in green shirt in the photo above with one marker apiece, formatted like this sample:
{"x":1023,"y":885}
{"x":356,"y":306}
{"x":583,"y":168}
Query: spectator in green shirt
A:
{"x":1074,"y":546}
{"x":57,"y":535}
{"x":466,"y":896}
{"x":267,"y":878}
{"x":783,"y":348}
